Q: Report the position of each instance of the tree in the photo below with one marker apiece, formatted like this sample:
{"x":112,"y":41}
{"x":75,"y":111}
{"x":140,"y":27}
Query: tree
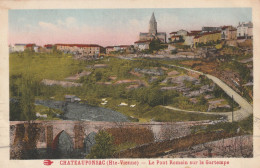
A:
{"x":155,"y":45}
{"x":22,"y":107}
{"x":27,"y":102}
{"x":104,"y":147}
{"x":98,"y":76}
{"x":154,"y":97}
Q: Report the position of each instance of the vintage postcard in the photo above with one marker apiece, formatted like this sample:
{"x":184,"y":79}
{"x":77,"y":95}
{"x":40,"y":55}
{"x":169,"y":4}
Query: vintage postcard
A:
{"x":130,"y":86}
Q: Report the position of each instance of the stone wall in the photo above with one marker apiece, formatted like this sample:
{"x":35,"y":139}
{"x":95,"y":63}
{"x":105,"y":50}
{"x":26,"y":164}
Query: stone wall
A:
{"x":78,"y":130}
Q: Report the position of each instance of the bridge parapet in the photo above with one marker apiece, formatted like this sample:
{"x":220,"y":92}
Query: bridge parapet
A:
{"x":47,"y":131}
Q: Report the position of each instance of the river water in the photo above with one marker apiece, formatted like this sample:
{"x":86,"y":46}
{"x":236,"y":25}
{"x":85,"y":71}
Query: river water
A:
{"x":83,"y":112}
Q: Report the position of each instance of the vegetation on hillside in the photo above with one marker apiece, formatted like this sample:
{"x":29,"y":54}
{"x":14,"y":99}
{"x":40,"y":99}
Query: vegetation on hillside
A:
{"x":34,"y":67}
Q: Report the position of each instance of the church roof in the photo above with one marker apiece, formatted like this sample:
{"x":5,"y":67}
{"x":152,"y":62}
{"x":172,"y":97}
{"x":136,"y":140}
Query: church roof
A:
{"x":152,"y":18}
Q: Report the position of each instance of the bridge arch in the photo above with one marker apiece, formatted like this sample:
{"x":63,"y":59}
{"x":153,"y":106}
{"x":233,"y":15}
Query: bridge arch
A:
{"x":89,"y":142}
{"x":62,"y":145}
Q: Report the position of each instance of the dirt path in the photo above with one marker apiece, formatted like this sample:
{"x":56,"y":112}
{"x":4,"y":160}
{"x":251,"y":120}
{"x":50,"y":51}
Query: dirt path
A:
{"x":245,"y":110}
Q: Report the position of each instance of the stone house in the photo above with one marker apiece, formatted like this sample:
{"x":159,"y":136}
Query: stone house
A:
{"x":117,"y":48}
{"x":245,"y":30}
{"x":109,"y":49}
{"x":30,"y":47}
{"x":121,"y":48}
{"x":228,"y":33}
{"x":18,"y":48}
{"x":142,"y":45}
{"x":47,"y":48}
{"x":189,"y":38}
{"x":84,"y":49}
{"x":207,"y":37}
{"x":124,"y":48}
{"x":36,"y":48}
{"x":182,"y":32}
{"x":178,"y":36}
{"x":175,"y":38}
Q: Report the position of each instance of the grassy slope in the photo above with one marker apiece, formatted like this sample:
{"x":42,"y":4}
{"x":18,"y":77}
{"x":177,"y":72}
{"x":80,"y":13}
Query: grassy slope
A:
{"x":38,"y":66}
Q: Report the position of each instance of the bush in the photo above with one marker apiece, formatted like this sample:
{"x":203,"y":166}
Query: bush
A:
{"x":104,"y":147}
{"x":218,"y":46}
{"x":156,"y":45}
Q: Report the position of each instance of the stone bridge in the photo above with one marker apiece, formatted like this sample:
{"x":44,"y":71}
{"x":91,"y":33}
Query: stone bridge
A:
{"x":48,"y":132}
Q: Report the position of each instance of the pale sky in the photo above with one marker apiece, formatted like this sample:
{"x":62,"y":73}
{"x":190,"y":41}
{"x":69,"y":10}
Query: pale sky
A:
{"x":112,"y":26}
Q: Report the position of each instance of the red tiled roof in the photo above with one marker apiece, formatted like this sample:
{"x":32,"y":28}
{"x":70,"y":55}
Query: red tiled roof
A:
{"x":110,"y":47}
{"x":206,"y":33}
{"x":48,"y":45}
{"x":79,"y":45}
{"x":29,"y":45}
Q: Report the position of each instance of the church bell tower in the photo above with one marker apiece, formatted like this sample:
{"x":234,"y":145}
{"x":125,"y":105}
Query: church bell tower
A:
{"x":153,"y":25}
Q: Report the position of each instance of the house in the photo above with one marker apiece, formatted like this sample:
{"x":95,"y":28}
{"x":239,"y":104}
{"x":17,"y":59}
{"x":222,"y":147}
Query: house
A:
{"x":128,"y":48}
{"x":36,"y":48}
{"x":72,"y":98}
{"x":142,"y":45}
{"x":109,"y":49}
{"x":207,"y":37}
{"x":245,"y":30}
{"x":233,"y":34}
{"x":18,"y":48}
{"x":83,"y":49}
{"x":30,"y":47}
{"x":228,"y":33}
{"x":121,"y":48}
{"x":124,"y":47}
{"x":175,"y":38}
{"x":178,"y":36}
{"x":117,"y":48}
{"x":182,"y":32}
{"x":189,"y":38}
{"x":48,"y":48}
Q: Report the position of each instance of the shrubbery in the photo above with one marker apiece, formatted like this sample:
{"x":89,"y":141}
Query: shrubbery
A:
{"x":104,"y":147}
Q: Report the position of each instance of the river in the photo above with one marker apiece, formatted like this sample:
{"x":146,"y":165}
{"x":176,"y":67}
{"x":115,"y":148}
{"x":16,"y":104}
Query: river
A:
{"x":83,"y":112}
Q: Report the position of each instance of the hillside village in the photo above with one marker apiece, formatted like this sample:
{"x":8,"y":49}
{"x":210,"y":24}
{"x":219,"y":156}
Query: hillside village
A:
{"x":209,"y":50}
{"x":230,"y":35}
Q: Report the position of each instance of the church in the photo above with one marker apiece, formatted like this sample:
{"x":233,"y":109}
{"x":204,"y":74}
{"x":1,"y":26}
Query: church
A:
{"x":153,"y":34}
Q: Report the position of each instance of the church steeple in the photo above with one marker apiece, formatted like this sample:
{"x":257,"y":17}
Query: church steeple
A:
{"x":153,"y":25}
